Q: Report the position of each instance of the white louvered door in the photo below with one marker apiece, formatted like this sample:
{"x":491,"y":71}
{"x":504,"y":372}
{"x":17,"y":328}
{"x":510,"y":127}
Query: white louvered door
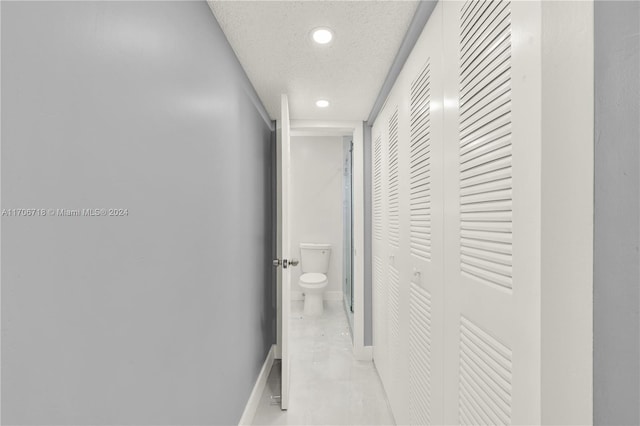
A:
{"x":387,"y":258}
{"x":395,"y":258}
{"x":492,"y":346}
{"x":380,"y":250}
{"x":422,"y":85}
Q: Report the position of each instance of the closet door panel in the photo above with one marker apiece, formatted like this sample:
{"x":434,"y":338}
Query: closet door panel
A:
{"x":402,"y":261}
{"x":380,"y":247}
{"x":492,"y":345}
{"x":397,"y":279}
{"x":394,"y":253}
{"x":423,"y":88}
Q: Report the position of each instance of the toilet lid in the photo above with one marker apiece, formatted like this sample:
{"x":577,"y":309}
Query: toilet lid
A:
{"x":313,"y":278}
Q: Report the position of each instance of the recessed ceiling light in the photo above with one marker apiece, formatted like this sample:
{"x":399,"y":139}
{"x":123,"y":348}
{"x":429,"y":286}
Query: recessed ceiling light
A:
{"x":322,"y":35}
{"x":322,"y":103}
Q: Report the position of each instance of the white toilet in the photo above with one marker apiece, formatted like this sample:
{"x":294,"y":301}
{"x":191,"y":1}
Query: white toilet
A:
{"x":314,"y":260}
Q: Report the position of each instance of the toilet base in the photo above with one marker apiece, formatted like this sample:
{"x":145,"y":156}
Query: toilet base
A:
{"x":313,"y":304}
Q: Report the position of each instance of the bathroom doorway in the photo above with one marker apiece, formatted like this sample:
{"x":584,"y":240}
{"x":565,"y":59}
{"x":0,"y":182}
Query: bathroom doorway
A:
{"x":348,"y":259}
{"x":314,"y":220}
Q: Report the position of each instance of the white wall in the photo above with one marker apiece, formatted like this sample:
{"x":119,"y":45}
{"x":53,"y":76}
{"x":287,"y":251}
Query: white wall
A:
{"x":316,"y":207}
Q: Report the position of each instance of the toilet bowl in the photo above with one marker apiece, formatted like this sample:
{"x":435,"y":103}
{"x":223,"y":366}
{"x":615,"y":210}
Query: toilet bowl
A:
{"x":313,"y":285}
{"x":314,"y":262}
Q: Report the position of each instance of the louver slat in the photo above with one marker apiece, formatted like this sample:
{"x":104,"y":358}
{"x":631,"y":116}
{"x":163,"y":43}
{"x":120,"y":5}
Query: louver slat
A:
{"x":377,"y":189}
{"x":420,"y":166}
{"x":419,"y":356}
{"x":393,"y":318}
{"x":485,"y":377}
{"x":486,"y":190}
{"x":379,"y":301}
{"x":393,"y":196}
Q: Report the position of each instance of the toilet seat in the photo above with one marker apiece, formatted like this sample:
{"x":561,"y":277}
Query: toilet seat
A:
{"x":313,"y":279}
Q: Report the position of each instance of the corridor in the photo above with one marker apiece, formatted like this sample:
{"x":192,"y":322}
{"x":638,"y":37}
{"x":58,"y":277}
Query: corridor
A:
{"x":179,"y":177}
{"x":328,"y":385}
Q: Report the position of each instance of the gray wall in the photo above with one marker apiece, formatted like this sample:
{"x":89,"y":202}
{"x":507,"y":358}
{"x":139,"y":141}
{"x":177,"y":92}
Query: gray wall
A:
{"x":616,"y":261}
{"x":163,"y":316}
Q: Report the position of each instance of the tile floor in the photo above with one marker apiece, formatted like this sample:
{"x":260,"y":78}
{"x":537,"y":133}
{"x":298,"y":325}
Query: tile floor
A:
{"x":328,"y":386}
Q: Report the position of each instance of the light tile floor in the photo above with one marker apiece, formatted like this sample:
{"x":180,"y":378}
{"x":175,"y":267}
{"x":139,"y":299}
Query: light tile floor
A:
{"x":328,"y":386}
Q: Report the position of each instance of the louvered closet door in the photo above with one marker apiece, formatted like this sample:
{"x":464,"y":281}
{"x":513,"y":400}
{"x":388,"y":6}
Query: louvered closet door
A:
{"x":407,"y":253}
{"x":395,"y":257}
{"x":399,"y":261}
{"x":380,"y":249}
{"x":424,"y":207}
{"x":390,"y":251}
{"x":492,"y":355}
{"x":387,"y":249}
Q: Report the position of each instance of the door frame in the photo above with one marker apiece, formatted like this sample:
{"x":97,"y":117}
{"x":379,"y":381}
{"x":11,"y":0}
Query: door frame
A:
{"x":282,"y":247}
{"x":343,"y":128}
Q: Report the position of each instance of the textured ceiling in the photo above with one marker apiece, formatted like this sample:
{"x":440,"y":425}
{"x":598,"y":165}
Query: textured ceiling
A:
{"x":272,"y":41}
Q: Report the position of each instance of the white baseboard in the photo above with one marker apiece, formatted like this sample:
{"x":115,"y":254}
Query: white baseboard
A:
{"x":328,"y":295}
{"x":254,"y":399}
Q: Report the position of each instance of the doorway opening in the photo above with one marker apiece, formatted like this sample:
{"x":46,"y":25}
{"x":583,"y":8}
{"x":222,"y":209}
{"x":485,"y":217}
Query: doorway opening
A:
{"x":321,"y":208}
{"x":310,"y":214}
{"x":347,"y":232}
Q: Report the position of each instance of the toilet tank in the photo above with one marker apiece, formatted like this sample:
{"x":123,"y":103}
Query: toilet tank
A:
{"x":315,"y":257}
